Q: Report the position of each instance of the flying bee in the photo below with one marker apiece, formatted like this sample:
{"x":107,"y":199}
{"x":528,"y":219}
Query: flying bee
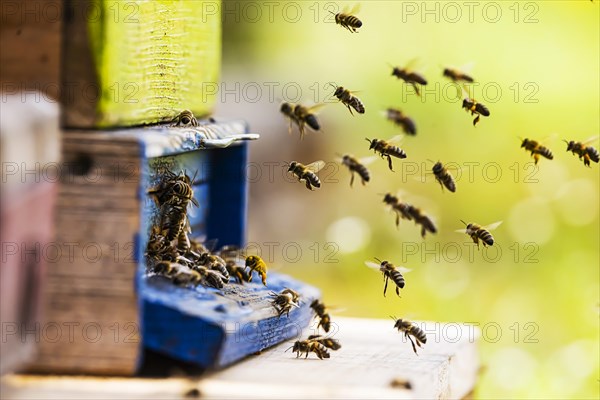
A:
{"x":476,"y":108}
{"x":307,"y":173}
{"x":389,"y":271}
{"x":309,"y":346}
{"x":320,"y":311}
{"x":185,"y":118}
{"x":349,"y":100}
{"x":477,"y":232}
{"x":444,"y":178}
{"x":399,"y":208}
{"x":358,"y":166}
{"x":302,"y":116}
{"x":536,"y":149}
{"x":410,"y":329}
{"x":285,"y":301}
{"x":328,"y":342}
{"x":584,"y":151}
{"x":409,"y":76}
{"x":346,"y":20}
{"x":255,"y":263}
{"x":420,"y":218}
{"x":458,"y":75}
{"x":386,"y":149}
{"x":399,"y":118}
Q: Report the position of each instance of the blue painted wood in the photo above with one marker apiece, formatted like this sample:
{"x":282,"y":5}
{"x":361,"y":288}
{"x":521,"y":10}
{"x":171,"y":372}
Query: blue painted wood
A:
{"x":205,"y":326}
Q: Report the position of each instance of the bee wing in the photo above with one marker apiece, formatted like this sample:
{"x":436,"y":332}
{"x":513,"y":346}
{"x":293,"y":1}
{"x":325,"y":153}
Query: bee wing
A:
{"x":493,"y":226}
{"x":373,"y":265}
{"x":396,"y":139}
{"x":316,"y":166}
{"x":403,"y":270}
{"x":411,"y":64}
{"x":354,"y":10}
{"x":466,"y":68}
{"x":315,"y":107}
{"x":367,"y":160}
{"x":591,"y":139}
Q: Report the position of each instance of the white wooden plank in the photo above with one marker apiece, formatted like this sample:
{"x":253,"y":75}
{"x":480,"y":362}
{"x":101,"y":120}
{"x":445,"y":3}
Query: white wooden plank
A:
{"x":373,"y":354}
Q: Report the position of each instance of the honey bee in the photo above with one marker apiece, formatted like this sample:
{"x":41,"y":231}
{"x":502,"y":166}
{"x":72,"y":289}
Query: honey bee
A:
{"x":173,"y":222}
{"x":302,"y":116}
{"x":456,"y":75}
{"x":255,"y":263}
{"x":185,"y":118}
{"x":444,"y":177}
{"x":328,"y":342}
{"x":389,"y":271}
{"x":320,"y":311}
{"x":401,"y":383}
{"x":309,"y":346}
{"x":411,"y":213}
{"x":215,"y":263}
{"x":387,"y":149}
{"x":349,"y":100}
{"x":409,"y":76}
{"x":235,"y":269}
{"x":536,"y":150}
{"x":167,"y":268}
{"x":399,"y":118}
{"x":410,"y":329}
{"x":174,"y":189}
{"x":476,"y":108}
{"x":285,"y":301}
{"x":346,"y":20}
{"x":477,"y":233}
{"x":186,"y":276}
{"x":357,"y":166}
{"x":584,"y":151}
{"x":210,"y":278}
{"x":307,"y":173}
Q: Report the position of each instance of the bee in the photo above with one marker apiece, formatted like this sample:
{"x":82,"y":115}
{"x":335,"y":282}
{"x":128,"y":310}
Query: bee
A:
{"x":302,"y":116}
{"x":358,"y":166}
{"x":410,"y":329}
{"x":328,"y":342}
{"x":167,"y":268}
{"x":387,"y":149}
{"x":536,"y":150}
{"x":310,"y":346}
{"x":349,"y":100}
{"x":320,"y":311}
{"x":399,"y":118}
{"x":215,"y":263}
{"x":346,"y":20}
{"x":443,"y":177}
{"x":407,"y":75}
{"x":477,"y":233}
{"x":307,"y":173}
{"x":476,"y":108}
{"x":255,"y":263}
{"x":400,"y":383}
{"x":173,"y":222}
{"x":456,"y":75}
{"x":420,"y":218}
{"x":284,"y":301}
{"x":184,"y":277}
{"x":185,"y":118}
{"x":389,"y":271}
{"x":584,"y":151}
{"x":231,"y":256}
{"x":174,"y":189}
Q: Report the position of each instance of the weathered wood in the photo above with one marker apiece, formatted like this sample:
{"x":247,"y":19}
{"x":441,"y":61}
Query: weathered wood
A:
{"x":138,"y":62}
{"x":372,"y":356}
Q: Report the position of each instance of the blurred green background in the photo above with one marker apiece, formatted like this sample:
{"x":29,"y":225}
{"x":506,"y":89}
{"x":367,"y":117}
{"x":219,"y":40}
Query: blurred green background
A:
{"x":539,"y":65}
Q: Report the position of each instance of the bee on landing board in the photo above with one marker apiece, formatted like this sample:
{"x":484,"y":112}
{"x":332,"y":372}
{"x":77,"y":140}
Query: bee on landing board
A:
{"x":410,"y":329}
{"x":328,"y":342}
{"x":309,"y":346}
{"x":255,"y":263}
{"x":444,"y":178}
{"x":400,"y":119}
{"x":348,"y":99}
{"x":389,"y":271}
{"x":232,"y":255}
{"x":347,"y":20}
{"x":477,"y":232}
{"x":185,"y":118}
{"x":301,"y":115}
{"x":357,"y":166}
{"x":536,"y":149}
{"x":408,"y":75}
{"x":307,"y":173}
{"x":584,"y":151}
{"x":387,"y":149}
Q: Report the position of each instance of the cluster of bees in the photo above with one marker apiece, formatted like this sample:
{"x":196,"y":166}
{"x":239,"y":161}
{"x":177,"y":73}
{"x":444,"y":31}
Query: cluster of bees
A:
{"x":173,"y":254}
